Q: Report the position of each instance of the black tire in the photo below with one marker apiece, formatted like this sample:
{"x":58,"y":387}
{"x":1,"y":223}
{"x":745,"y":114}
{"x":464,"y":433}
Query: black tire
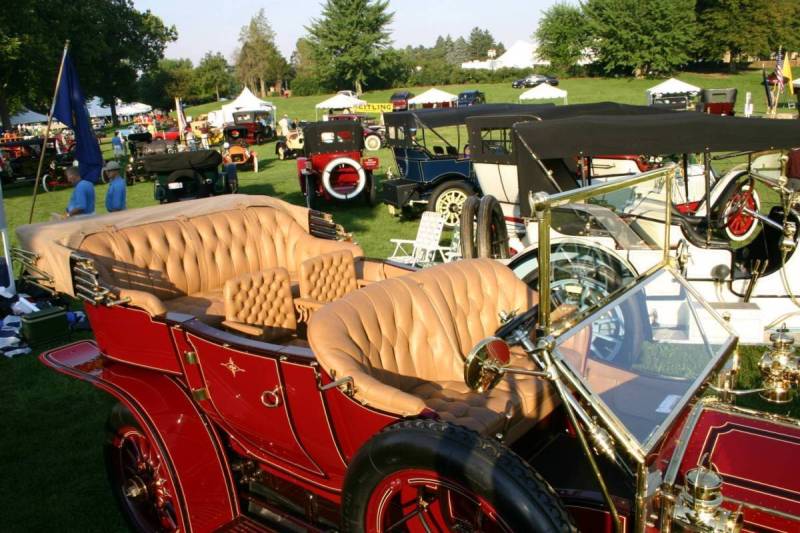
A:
{"x":492,"y":234}
{"x":136,"y":515}
{"x":469,"y":213}
{"x":450,"y":211}
{"x":370,"y":193}
{"x":490,"y":470}
{"x":311,"y":194}
{"x":281,"y":151}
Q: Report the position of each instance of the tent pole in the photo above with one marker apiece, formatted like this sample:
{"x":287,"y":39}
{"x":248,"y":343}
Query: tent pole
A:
{"x":47,"y":131}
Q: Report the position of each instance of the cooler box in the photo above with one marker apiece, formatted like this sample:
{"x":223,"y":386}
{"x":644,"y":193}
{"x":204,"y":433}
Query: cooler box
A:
{"x":45,"y":325}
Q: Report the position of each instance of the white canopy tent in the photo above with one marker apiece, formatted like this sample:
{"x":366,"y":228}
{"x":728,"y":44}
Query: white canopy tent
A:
{"x":26,"y":116}
{"x":97,"y":109}
{"x":433,"y":97}
{"x":340,"y":101}
{"x":247,"y":101}
{"x":544,"y":91}
{"x":672,"y":86}
{"x":133,"y":108}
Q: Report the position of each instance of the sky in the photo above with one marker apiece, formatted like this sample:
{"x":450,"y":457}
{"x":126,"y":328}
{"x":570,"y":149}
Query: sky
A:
{"x":214,"y":25}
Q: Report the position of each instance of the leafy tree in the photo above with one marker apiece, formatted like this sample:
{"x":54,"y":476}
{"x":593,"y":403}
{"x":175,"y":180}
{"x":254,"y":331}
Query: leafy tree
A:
{"x":641,"y":37}
{"x":111,"y":41}
{"x":562,"y":36}
{"x":747,"y":28}
{"x":171,"y":78}
{"x":213,"y":76}
{"x":258,"y":60}
{"x":350,"y":41}
{"x":459,"y":53}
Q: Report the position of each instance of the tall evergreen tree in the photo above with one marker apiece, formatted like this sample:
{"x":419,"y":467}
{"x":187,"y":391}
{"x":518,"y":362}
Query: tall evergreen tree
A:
{"x":562,"y":36}
{"x":350,"y":41}
{"x":641,"y":37}
{"x":258,"y":60}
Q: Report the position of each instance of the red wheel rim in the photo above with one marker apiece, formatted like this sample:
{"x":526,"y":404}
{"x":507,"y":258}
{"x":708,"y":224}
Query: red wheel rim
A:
{"x":416,"y":500}
{"x":739,"y":222}
{"x":146,"y":487}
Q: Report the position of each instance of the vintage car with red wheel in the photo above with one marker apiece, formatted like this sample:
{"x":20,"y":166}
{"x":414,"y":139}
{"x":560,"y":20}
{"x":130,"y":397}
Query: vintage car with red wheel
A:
{"x":333,"y":166}
{"x":236,"y":149}
{"x":259,"y":125}
{"x":269,"y":377}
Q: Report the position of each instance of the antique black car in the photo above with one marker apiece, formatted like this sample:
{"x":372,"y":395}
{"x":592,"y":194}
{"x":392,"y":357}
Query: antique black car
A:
{"x":186,"y":175}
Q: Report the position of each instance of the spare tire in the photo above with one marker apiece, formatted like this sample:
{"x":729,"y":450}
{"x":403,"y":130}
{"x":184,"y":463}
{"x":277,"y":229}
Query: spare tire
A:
{"x":492,"y":233}
{"x":469,"y":212}
{"x":463,"y":482}
{"x":347,"y":161}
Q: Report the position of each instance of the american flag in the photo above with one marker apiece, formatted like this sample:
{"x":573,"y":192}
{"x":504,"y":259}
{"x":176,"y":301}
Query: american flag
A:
{"x":779,"y":70}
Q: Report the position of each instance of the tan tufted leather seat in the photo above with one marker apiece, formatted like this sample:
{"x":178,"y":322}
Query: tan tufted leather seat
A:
{"x":327,"y":277}
{"x":182,"y":265}
{"x":404,"y":341}
{"x":260,"y":304}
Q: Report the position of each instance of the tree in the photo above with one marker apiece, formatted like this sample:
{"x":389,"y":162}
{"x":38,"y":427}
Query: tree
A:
{"x":641,"y":37}
{"x":459,"y":52}
{"x":350,"y":41}
{"x":747,"y":28}
{"x":480,"y":42}
{"x":171,"y":78}
{"x":213,"y":76}
{"x":258,"y":60}
{"x":111,"y":42}
{"x":562,"y":36}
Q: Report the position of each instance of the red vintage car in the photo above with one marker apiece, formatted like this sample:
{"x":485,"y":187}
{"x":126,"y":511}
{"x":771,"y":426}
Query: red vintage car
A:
{"x":257,"y":127}
{"x":333,"y":166}
{"x":269,"y":377}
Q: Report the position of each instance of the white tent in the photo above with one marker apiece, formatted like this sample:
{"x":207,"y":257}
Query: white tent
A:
{"x":672,"y":86}
{"x":133,"y":108}
{"x":247,"y":101}
{"x":97,"y":109}
{"x":432,"y":97}
{"x":26,"y":116}
{"x":544,"y":91}
{"x":340,"y":101}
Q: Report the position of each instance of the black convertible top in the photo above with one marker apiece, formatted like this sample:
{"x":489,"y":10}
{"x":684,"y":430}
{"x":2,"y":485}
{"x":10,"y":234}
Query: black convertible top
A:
{"x":451,"y":116}
{"x":671,"y":133}
{"x":556,"y":143}
{"x":484,"y":151}
{"x":199,"y":160}
{"x":332,"y":136}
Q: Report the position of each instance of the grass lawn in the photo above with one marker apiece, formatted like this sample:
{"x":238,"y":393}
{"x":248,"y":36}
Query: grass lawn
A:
{"x":53,"y":475}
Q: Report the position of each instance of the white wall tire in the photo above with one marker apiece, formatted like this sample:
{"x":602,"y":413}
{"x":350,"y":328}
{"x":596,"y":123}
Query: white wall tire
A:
{"x":331,"y":166}
{"x":372,"y":143}
{"x":45,"y":178}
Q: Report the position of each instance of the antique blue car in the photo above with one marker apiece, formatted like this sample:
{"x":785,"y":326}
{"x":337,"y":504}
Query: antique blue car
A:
{"x":431,"y":152}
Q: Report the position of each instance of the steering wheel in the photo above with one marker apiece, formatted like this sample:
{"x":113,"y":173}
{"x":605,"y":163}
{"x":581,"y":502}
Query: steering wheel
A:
{"x":526,"y":321}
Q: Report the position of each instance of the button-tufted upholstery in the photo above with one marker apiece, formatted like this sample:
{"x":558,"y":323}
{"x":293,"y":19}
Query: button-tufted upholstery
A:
{"x":404,"y":340}
{"x":183,"y":264}
{"x":328,"y":277}
{"x":260,"y":304}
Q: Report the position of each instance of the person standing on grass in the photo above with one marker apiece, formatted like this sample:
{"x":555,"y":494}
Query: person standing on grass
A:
{"x":115,"y":196}
{"x":82,"y":200}
{"x":116,"y":143}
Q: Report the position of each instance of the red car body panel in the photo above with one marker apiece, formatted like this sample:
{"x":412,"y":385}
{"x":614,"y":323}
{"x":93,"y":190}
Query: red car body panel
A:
{"x":165,"y":411}
{"x":757,"y":459}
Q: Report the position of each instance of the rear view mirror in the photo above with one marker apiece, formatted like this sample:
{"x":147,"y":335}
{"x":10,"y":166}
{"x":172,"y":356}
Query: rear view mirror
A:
{"x":486,"y":364}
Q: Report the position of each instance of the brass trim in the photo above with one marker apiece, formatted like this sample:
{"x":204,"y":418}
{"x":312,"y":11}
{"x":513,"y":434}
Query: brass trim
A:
{"x":200,"y":394}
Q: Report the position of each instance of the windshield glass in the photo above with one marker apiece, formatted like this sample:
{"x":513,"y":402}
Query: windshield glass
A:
{"x":642,"y":356}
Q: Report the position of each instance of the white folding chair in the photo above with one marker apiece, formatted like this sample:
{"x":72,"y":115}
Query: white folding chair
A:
{"x":424,"y":249}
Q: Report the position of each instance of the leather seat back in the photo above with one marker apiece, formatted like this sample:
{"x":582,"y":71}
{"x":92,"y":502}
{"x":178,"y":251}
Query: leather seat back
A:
{"x":328,"y":277}
{"x":186,"y":256}
{"x":415,"y":328}
{"x":263,"y":300}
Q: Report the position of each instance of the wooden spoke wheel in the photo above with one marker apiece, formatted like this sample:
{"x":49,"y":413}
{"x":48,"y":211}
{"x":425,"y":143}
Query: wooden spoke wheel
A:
{"x":139,"y":476}
{"x":418,"y":500}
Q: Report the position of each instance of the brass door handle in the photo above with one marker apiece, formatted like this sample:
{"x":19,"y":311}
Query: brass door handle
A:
{"x":271,"y":398}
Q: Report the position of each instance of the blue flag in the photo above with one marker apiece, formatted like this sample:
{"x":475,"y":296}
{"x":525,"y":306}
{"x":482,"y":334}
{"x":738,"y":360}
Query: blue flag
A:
{"x":70,"y":109}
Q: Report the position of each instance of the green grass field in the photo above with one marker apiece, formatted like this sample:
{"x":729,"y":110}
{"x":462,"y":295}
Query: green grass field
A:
{"x":53,"y":476}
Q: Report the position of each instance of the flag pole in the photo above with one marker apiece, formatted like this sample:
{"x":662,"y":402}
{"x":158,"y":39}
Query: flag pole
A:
{"x":47,"y":131}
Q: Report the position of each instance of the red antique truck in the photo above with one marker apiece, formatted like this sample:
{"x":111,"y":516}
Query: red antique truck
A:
{"x":269,"y":377}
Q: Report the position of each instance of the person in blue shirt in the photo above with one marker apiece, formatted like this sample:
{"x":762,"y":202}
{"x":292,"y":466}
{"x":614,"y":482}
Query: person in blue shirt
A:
{"x":115,"y":196}
{"x":82,"y":200}
{"x":116,"y":143}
